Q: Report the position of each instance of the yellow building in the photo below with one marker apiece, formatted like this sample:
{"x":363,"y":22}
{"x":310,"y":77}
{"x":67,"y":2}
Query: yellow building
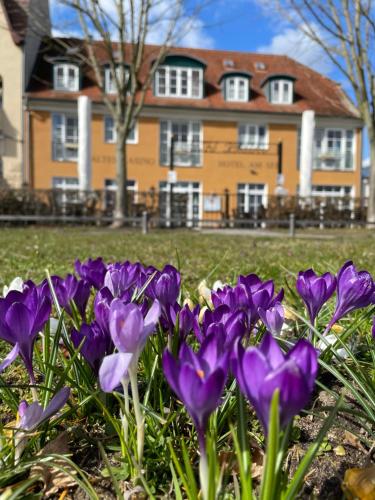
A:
{"x":228,"y":113}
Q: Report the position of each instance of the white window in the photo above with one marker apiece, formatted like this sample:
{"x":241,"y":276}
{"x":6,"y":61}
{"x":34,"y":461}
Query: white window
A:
{"x":64,"y":137}
{"x":110,"y":135}
{"x":334,"y":149}
{"x":110,"y":84}
{"x":172,"y":81}
{"x":236,"y":89}
{"x":67,"y":190}
{"x":251,"y":199}
{"x":110,"y":186}
{"x":65,"y":183}
{"x":187,"y":143}
{"x":66,"y":77}
{"x":281,"y":91}
{"x":252,"y":136}
{"x":341,"y":196}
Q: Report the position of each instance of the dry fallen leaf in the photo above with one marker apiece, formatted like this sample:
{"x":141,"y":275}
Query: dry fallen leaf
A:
{"x":53,"y":478}
{"x":289,"y":314}
{"x":359,"y":484}
{"x":352,"y":440}
{"x":227,"y":460}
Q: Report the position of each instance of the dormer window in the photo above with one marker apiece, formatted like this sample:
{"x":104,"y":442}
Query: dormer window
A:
{"x":279,"y":88}
{"x":173,"y":81}
{"x":66,"y":77}
{"x":281,"y":91}
{"x":110,"y":84}
{"x":235,"y":86}
{"x":180,"y":76}
{"x":236,"y":89}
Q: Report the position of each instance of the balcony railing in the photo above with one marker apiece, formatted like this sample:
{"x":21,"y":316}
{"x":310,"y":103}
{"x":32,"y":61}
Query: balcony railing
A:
{"x":333,"y":161}
{"x":64,"y":151}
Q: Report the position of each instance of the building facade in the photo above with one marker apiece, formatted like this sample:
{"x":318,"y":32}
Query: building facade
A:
{"x":23,"y":25}
{"x":221,"y":115}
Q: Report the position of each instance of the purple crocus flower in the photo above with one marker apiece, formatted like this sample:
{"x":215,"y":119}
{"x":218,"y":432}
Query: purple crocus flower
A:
{"x":355,"y":290}
{"x":22,"y":316}
{"x":97,"y":344}
{"x":31,"y":416}
{"x":273,"y":318}
{"x":187,"y":321}
{"x":70,"y":289}
{"x":373,"y":328}
{"x":92,"y":270}
{"x":102,"y":304}
{"x":260,"y":371}
{"x":248,"y":295}
{"x":121,"y":279}
{"x":315,"y":290}
{"x":129,"y":332}
{"x":198,"y":379}
{"x":165,"y":286}
{"x":232,"y":323}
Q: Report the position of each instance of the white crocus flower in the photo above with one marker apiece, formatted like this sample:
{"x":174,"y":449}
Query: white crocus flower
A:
{"x":218,"y":285}
{"x":331,"y":340}
{"x":16,"y":284}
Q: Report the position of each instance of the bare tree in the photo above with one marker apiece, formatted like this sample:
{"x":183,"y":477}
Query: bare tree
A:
{"x":120,"y":29}
{"x":345,"y":30}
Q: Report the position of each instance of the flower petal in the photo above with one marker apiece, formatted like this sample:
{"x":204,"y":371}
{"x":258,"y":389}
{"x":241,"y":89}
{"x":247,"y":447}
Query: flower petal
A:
{"x":114,"y":368}
{"x":10,"y":358}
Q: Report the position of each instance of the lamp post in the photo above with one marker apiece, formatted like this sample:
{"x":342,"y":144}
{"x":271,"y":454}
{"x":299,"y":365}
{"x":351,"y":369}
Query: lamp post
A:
{"x":280,"y":190}
{"x":171,"y":180}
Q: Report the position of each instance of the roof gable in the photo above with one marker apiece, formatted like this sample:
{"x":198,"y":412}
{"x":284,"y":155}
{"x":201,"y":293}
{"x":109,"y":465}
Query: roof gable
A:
{"x":311,"y":90}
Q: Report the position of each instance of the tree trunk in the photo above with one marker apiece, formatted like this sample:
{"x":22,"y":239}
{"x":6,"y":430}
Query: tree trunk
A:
{"x":121,"y":205}
{"x":371,"y":201}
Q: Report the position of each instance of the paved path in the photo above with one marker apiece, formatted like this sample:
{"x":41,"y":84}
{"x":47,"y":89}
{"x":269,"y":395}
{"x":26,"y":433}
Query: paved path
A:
{"x":263,"y":233}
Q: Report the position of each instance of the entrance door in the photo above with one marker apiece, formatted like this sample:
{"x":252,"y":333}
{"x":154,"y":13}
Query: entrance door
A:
{"x":251,"y":200}
{"x":186,"y":203}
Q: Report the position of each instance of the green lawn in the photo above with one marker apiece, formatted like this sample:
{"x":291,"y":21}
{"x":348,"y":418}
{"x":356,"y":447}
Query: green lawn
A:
{"x":27,"y":252}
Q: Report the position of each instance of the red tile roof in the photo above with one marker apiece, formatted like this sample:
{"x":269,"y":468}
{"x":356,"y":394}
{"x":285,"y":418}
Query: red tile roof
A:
{"x":16,"y":16}
{"x":312,"y":90}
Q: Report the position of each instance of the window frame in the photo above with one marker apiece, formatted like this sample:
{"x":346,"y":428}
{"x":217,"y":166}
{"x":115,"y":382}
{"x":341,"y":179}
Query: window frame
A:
{"x":236,"y":80}
{"x":64,"y":142}
{"x":178,"y":82}
{"x":191,"y":124}
{"x":323,"y":153}
{"x":246,"y":189}
{"x":257,"y":135}
{"x":110,"y":186}
{"x":133,"y":140}
{"x":65,"y":87}
{"x":109,"y":85}
{"x":336,"y":194}
{"x":278,"y":98}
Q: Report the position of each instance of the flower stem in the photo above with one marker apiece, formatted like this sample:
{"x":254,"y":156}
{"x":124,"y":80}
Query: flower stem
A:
{"x":34,"y":392}
{"x":125,"y":422}
{"x":203,"y":464}
{"x":139,"y":418}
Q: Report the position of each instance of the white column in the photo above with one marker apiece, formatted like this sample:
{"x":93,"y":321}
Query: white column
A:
{"x":84,"y":143}
{"x":307,"y":149}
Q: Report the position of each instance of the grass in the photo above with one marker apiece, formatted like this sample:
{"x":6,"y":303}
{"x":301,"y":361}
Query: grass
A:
{"x":27,"y":252}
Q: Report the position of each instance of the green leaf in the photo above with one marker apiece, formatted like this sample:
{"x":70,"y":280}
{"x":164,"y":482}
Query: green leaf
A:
{"x":270,"y":472}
